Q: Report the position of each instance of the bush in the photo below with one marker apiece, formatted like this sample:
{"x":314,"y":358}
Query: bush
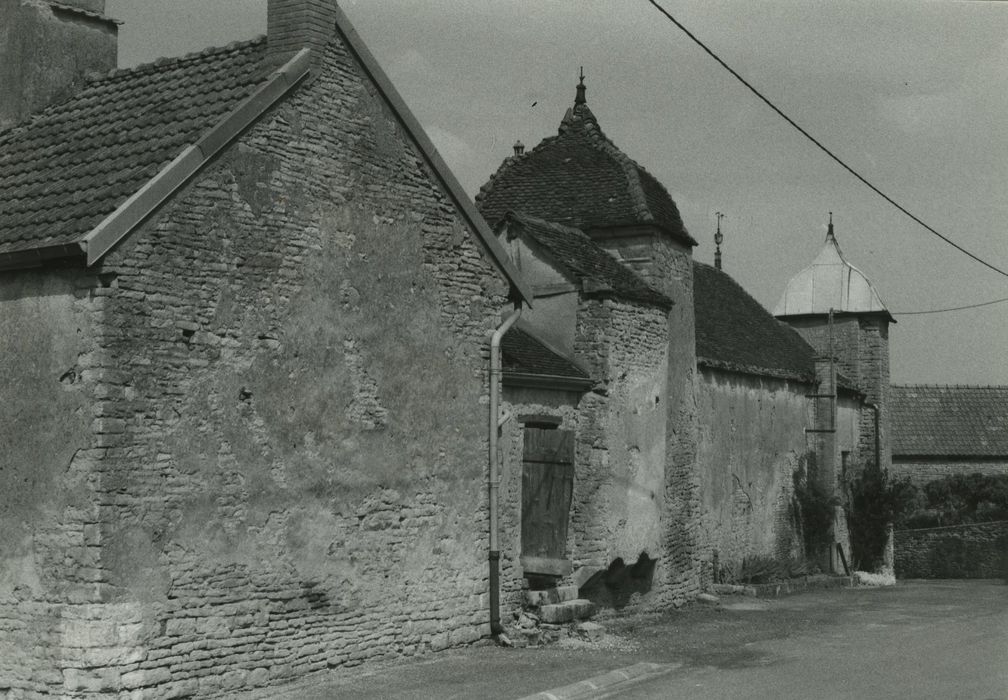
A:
{"x":875,"y":502}
{"x":813,"y":507}
{"x":963,"y":498}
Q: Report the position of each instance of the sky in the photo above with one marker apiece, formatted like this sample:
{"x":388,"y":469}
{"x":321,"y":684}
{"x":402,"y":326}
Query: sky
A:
{"x":912,"y":95}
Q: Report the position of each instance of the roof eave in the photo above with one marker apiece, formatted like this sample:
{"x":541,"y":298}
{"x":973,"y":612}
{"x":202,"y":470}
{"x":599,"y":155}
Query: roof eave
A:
{"x":442,"y":172}
{"x":546,"y":381}
{"x":35,"y":257}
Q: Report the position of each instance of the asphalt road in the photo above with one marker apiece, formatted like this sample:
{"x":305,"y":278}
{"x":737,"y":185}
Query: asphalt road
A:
{"x":918,"y":640}
{"x":936,"y":639}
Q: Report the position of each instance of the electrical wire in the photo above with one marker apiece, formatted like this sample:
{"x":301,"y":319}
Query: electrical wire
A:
{"x":954,"y":308}
{"x":823,"y":148}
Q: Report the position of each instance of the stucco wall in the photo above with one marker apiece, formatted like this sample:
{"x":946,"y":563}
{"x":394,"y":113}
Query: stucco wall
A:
{"x":554,"y":312}
{"x":294,"y":361}
{"x":46,"y":55}
{"x":752,"y":441}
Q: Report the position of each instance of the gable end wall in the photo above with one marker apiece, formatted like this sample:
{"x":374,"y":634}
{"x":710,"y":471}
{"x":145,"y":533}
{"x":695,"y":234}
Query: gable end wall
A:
{"x":296,"y":477}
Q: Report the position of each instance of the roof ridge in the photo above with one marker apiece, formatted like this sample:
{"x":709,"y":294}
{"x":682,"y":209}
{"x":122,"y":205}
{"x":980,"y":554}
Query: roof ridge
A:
{"x":951,"y":386}
{"x":166,"y":61}
{"x":97,"y":79}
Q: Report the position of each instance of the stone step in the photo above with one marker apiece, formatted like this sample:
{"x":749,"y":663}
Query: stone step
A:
{"x":568,"y":611}
{"x":550,"y":596}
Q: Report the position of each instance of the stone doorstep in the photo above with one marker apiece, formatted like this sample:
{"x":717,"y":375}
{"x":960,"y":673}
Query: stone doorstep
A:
{"x":550,"y":596}
{"x":568,"y":611}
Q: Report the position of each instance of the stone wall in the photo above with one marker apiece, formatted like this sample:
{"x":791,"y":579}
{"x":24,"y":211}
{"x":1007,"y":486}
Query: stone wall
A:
{"x":50,"y":439}
{"x":923,"y":471}
{"x":978,"y":550}
{"x":668,"y":266}
{"x":289,"y":408}
{"x":618,"y":501}
{"x":752,"y":441}
{"x":861,"y":346}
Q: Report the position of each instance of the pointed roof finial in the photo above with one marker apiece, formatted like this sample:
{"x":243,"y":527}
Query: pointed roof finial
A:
{"x":579,"y":99}
{"x":829,"y":229}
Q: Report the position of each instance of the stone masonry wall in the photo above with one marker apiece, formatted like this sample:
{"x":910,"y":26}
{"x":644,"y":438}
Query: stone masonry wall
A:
{"x":668,"y":266}
{"x":752,"y":441}
{"x":921,"y":472}
{"x":861,"y":346}
{"x":292,"y":414}
{"x":977,"y":550}
{"x":50,"y":438}
{"x":618,"y":502}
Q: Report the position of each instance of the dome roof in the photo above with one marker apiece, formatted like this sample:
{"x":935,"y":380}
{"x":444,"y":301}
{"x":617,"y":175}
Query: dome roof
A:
{"x":579,"y":178}
{"x":830,"y":282}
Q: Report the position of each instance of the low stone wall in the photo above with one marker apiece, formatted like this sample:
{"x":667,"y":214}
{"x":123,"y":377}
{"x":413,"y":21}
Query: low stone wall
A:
{"x":977,"y":550}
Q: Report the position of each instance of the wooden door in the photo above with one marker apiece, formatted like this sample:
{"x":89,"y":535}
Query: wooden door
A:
{"x":547,"y":486}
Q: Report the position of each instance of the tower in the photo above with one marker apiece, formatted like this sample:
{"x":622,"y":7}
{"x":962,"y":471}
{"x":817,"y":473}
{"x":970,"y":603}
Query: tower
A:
{"x":832,"y":303}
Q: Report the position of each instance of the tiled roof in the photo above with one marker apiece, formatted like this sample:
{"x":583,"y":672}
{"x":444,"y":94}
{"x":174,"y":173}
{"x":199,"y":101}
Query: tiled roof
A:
{"x":949,"y":420}
{"x":68,"y":167}
{"x":523,"y":353}
{"x":734,"y":332}
{"x":584,"y":260}
{"x":580,"y":178}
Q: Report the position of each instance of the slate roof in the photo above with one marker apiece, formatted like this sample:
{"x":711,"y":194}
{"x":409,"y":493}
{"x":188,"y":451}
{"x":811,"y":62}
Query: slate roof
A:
{"x":579,"y":257}
{"x":930,"y":420}
{"x":523,"y":353}
{"x":734,"y":332}
{"x":581,"y":179}
{"x":68,"y":167}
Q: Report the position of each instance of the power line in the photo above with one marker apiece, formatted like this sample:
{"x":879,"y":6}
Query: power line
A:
{"x":823,"y":148}
{"x":954,"y":308}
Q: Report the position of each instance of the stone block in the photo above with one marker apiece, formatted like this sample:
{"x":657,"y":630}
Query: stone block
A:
{"x":559,"y":613}
{"x":590,"y":631}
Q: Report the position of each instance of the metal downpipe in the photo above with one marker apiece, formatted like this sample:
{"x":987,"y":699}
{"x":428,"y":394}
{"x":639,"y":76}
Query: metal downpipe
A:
{"x":493,"y":479}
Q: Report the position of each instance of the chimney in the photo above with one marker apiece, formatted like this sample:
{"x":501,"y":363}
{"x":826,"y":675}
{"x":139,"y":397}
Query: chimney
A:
{"x":49,"y":50}
{"x":292,"y":25}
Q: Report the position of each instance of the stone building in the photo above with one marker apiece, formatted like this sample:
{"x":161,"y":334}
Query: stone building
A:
{"x":230,"y":285}
{"x":941,"y":431}
{"x":688,"y":418}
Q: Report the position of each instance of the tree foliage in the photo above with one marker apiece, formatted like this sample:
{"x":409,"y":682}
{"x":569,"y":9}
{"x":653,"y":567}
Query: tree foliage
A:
{"x":875,"y":501}
{"x":961,"y":499}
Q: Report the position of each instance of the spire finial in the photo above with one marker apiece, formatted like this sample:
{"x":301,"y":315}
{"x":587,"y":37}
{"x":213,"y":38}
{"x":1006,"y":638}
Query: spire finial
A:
{"x":829,"y":229}
{"x":718,"y":238}
{"x":579,"y":99}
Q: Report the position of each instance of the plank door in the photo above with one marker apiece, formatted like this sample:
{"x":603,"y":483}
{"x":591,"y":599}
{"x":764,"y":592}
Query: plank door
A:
{"x":547,"y":485}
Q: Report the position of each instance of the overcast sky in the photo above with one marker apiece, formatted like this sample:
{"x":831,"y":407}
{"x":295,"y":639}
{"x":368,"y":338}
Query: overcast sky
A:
{"x":913,"y":95}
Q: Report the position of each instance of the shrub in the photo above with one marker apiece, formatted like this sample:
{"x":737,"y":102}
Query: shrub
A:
{"x":813,"y":506}
{"x":964,"y":498}
{"x":875,"y":501}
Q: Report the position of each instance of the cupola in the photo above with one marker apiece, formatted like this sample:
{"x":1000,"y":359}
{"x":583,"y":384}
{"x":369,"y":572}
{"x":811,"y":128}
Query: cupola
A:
{"x":830,"y":282}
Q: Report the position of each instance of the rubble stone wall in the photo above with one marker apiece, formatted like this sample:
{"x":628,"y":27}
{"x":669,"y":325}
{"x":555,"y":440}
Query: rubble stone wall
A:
{"x":50,"y":439}
{"x":618,"y":505}
{"x":292,"y":419}
{"x":977,"y":550}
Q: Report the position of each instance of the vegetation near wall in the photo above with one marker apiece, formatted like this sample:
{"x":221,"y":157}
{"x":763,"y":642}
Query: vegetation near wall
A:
{"x":875,"y":501}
